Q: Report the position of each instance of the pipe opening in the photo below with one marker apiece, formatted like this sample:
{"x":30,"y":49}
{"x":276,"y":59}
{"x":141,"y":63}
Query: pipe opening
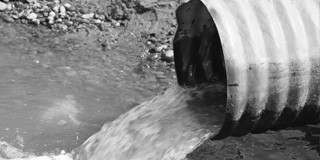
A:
{"x":198,"y":52}
{"x":197,"y":47}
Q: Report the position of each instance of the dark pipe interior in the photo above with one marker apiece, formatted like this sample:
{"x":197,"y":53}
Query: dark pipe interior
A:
{"x":199,"y":59}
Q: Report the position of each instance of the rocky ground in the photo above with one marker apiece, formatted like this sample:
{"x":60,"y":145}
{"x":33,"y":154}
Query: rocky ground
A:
{"x":151,"y":23}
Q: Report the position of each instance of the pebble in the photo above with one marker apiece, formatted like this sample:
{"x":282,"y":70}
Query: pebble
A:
{"x":88,"y":16}
{"x":35,"y":21}
{"x":3,"y":6}
{"x":104,"y":26}
{"x":62,"y":26}
{"x":52,"y":14}
{"x":82,"y":20}
{"x":55,"y":8}
{"x":68,"y":23}
{"x":62,"y":11}
{"x":23,"y":21}
{"x":50,"y":21}
{"x":99,"y":16}
{"x":117,"y":24}
{"x":6,"y":18}
{"x":45,"y":8}
{"x":49,"y":12}
{"x":168,"y":56}
{"x":50,"y":18}
{"x":69,"y":7}
{"x":160,"y":48}
{"x":32,"y":16}
{"x":97,"y":21}
{"x":149,"y":43}
{"x":154,"y":57}
{"x":36,"y":5}
{"x":27,"y":12}
{"x":59,"y":20}
{"x":46,"y":14}
{"x":9,"y":6}
{"x":15,"y":16}
{"x":20,"y":14}
{"x":82,"y":11}
{"x":31,"y":1}
{"x":42,"y":19}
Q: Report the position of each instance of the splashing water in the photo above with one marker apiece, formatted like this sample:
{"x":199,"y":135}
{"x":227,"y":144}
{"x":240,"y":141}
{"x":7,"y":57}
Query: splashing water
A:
{"x":167,"y":127}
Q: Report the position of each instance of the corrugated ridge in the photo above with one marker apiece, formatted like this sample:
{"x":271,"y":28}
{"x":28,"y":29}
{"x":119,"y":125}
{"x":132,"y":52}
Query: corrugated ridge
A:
{"x":299,"y":64}
{"x":288,"y":30}
{"x":234,"y":57}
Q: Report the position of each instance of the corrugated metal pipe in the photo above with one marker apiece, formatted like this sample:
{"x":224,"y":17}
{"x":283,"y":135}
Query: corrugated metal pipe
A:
{"x":266,"y":51}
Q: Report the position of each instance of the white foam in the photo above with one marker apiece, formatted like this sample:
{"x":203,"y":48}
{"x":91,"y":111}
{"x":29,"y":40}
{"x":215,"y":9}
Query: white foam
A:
{"x":12,"y":153}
